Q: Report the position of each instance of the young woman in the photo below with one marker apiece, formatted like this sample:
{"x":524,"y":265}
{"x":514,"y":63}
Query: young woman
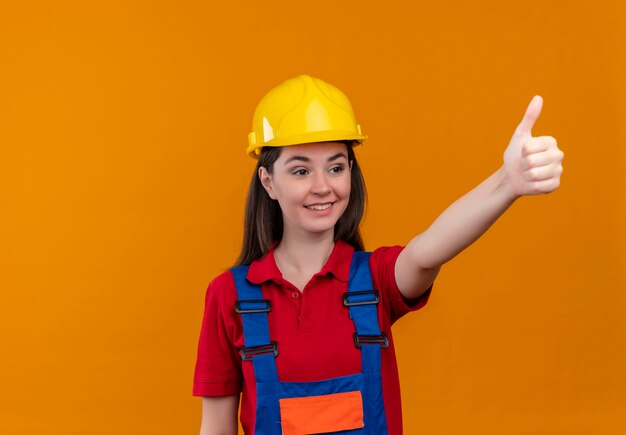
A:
{"x":302,"y":325}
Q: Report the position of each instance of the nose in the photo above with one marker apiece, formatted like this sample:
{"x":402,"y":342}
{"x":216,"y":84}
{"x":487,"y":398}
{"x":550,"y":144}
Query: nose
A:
{"x":320,"y":185}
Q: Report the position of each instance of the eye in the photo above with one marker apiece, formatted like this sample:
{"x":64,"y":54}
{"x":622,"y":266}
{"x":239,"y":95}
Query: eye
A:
{"x":300,"y":172}
{"x":337,"y":169}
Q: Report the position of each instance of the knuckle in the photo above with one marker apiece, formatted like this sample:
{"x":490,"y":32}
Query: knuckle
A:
{"x":529,"y":162}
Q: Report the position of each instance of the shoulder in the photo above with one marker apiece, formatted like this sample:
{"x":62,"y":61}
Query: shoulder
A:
{"x":221,"y":290}
{"x":382,"y":261}
{"x":385,"y":256}
{"x":222,"y":282}
{"x":379,"y":255}
{"x":382,"y":268}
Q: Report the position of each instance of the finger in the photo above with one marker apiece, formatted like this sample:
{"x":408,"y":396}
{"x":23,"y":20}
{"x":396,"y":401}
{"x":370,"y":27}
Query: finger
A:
{"x":535,"y":145}
{"x":545,"y":186}
{"x":532,"y":113}
{"x":548,"y":140}
{"x":544,"y":172}
{"x":542,"y":158}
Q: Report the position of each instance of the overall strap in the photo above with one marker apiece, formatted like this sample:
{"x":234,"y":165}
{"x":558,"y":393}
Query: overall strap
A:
{"x":362,"y":300}
{"x":258,"y":347}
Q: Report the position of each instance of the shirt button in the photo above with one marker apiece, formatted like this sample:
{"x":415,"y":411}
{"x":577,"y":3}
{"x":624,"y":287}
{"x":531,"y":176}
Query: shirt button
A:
{"x":295,"y":295}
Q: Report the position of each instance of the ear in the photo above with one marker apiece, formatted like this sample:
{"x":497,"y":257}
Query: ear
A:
{"x":266,"y":181}
{"x":351,"y":161}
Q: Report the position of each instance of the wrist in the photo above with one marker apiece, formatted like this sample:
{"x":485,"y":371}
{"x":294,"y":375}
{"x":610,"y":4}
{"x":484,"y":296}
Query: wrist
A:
{"x":505,"y":187}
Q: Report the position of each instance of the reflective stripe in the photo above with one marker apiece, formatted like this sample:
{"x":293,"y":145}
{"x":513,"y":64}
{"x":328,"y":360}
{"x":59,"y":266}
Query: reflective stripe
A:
{"x":321,"y":414}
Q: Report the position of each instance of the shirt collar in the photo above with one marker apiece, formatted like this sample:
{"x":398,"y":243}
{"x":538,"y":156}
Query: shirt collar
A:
{"x":338,"y":264}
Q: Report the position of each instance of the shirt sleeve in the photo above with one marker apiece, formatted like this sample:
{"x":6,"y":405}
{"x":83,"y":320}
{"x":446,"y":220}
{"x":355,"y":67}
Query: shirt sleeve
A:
{"x":382,"y":266}
{"x":218,"y":365}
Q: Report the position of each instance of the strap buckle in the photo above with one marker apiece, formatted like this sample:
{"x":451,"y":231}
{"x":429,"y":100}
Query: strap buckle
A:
{"x":253,"y":306}
{"x":248,"y":352}
{"x":371,"y":339}
{"x":353,"y":299}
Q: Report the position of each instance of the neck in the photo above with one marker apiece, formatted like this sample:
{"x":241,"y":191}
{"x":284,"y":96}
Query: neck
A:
{"x":304,"y":255}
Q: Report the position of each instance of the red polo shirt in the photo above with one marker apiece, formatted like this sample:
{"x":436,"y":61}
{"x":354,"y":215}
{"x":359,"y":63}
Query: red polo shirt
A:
{"x":312,"y":328}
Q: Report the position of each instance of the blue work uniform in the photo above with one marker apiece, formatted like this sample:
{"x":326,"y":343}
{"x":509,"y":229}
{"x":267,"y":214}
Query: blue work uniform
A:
{"x":292,"y":408}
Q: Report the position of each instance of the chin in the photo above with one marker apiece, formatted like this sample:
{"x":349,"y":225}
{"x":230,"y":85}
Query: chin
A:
{"x":320,"y":227}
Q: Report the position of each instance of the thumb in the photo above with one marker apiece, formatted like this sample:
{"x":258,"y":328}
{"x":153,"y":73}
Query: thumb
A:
{"x":531,"y":115}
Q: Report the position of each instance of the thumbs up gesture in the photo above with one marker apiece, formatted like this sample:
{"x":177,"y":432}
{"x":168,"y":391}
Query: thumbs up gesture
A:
{"x":532,"y":165}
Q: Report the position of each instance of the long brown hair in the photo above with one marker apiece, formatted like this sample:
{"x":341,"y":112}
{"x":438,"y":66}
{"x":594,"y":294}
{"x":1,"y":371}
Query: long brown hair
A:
{"x":263,"y":218}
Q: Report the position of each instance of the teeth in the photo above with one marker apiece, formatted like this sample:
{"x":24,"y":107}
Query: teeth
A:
{"x":318,"y":207}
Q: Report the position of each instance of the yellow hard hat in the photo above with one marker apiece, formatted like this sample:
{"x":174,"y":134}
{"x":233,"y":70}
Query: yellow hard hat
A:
{"x":303,"y":109}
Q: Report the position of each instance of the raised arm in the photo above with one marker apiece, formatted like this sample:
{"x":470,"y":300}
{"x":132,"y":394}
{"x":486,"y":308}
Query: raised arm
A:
{"x":532,"y":166}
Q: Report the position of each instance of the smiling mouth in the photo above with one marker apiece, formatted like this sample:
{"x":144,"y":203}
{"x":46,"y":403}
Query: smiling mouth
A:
{"x":319,"y":207}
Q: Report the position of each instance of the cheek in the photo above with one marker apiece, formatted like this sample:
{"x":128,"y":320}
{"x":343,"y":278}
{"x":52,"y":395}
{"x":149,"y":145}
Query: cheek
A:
{"x":288,"y":195}
{"x":346,"y":187}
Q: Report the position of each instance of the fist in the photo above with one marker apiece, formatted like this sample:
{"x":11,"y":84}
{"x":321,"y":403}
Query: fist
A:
{"x":532,"y":165}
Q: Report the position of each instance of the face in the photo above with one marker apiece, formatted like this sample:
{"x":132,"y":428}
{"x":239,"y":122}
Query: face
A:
{"x":311,"y":182}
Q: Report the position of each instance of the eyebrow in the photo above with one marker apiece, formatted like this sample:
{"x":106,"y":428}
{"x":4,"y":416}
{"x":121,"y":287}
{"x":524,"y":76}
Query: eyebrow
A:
{"x":306,"y":159}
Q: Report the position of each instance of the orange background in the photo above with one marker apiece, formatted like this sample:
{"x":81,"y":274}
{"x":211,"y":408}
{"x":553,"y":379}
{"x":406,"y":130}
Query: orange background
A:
{"x":123,"y":174}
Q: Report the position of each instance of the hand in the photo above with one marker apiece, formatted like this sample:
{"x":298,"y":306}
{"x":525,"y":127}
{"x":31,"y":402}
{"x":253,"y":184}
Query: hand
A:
{"x":532,"y":165}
